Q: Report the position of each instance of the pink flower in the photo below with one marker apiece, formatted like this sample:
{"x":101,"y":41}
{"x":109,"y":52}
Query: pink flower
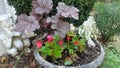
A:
{"x":60,"y":42}
{"x":39,"y":44}
{"x":50,"y":38}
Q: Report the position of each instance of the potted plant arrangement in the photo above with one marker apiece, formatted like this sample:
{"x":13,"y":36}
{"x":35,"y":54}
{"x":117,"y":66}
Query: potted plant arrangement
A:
{"x":56,"y":46}
{"x":70,"y":52}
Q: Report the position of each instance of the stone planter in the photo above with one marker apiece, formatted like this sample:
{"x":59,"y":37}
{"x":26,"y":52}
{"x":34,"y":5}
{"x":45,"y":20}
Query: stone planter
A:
{"x":93,"y":64}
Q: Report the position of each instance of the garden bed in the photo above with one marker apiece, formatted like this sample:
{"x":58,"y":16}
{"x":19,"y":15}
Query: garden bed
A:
{"x":26,"y":61}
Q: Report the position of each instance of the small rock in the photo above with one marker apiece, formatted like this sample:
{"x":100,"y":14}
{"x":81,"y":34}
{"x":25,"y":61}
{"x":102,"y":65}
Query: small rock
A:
{"x":29,"y":34}
{"x":16,"y":33}
{"x":18,"y":44}
{"x":27,"y":50}
{"x":72,"y":28}
{"x":12,"y":51}
{"x":26,"y":42}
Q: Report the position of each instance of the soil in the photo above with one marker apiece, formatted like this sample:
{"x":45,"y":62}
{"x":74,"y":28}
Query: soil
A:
{"x":85,"y":57}
{"x":26,"y":61}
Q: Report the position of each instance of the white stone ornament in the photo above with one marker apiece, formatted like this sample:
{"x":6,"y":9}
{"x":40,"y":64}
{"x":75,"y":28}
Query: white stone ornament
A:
{"x":29,"y":34}
{"x":72,"y":28}
{"x":10,"y":40}
{"x":5,"y":35}
{"x":18,"y":43}
{"x":90,"y":43}
{"x":26,"y":42}
{"x":12,"y":51}
{"x":2,"y":7}
{"x":86,"y":30}
{"x":2,"y":49}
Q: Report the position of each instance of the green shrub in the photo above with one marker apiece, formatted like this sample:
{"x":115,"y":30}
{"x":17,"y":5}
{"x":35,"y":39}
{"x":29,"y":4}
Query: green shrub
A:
{"x":107,"y":0}
{"x":85,"y":6}
{"x":107,"y":19}
{"x":21,"y":6}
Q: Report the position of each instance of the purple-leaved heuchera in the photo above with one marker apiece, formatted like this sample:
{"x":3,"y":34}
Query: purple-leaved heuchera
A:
{"x":39,"y":19}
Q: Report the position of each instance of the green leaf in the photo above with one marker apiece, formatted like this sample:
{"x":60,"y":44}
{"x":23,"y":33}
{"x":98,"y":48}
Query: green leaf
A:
{"x":47,"y":44}
{"x":74,"y":38}
{"x":76,"y":47}
{"x":57,"y":54}
{"x":46,"y":51}
{"x":69,"y":33}
{"x":57,"y":37}
{"x":65,"y":45}
{"x":58,"y":48}
{"x":71,"y":51}
{"x":82,"y":41}
{"x":68,"y":61}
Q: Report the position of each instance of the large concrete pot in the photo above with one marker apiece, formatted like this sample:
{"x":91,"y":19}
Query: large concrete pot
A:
{"x":94,"y":64}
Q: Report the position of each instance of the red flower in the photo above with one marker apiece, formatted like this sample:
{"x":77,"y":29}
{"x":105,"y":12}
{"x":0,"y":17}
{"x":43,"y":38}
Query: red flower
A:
{"x":60,"y":42}
{"x":50,"y":38}
{"x":68,"y":38}
{"x":39,"y":44}
{"x":76,"y":42}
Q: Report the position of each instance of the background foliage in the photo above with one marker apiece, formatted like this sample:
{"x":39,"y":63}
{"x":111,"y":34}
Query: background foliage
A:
{"x":85,"y":6}
{"x":21,"y":6}
{"x":112,"y":57}
{"x":107,"y":0}
{"x":107,"y":19}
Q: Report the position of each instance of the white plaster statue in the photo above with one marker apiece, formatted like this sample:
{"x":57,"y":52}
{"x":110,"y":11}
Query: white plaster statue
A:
{"x":88,"y":29}
{"x":10,"y":41}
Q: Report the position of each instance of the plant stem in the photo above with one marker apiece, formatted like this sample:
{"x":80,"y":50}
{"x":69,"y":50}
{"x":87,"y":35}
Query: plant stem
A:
{"x":17,"y":61}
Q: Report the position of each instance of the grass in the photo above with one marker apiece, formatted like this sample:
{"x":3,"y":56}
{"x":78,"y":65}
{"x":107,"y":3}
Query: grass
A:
{"x":112,"y":57}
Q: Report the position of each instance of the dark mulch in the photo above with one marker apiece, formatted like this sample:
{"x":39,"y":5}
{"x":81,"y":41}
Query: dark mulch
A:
{"x":26,"y":61}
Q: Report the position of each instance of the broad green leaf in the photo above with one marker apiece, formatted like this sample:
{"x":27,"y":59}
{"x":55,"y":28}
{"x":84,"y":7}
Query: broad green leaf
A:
{"x":74,"y":38}
{"x":82,"y":41}
{"x":42,"y":48}
{"x":57,"y":54}
{"x":47,"y":44}
{"x":69,"y":33}
{"x":58,"y":48}
{"x":46,"y":51}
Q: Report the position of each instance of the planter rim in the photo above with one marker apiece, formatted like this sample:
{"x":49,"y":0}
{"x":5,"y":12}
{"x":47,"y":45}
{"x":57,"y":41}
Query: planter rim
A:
{"x":93,"y":64}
